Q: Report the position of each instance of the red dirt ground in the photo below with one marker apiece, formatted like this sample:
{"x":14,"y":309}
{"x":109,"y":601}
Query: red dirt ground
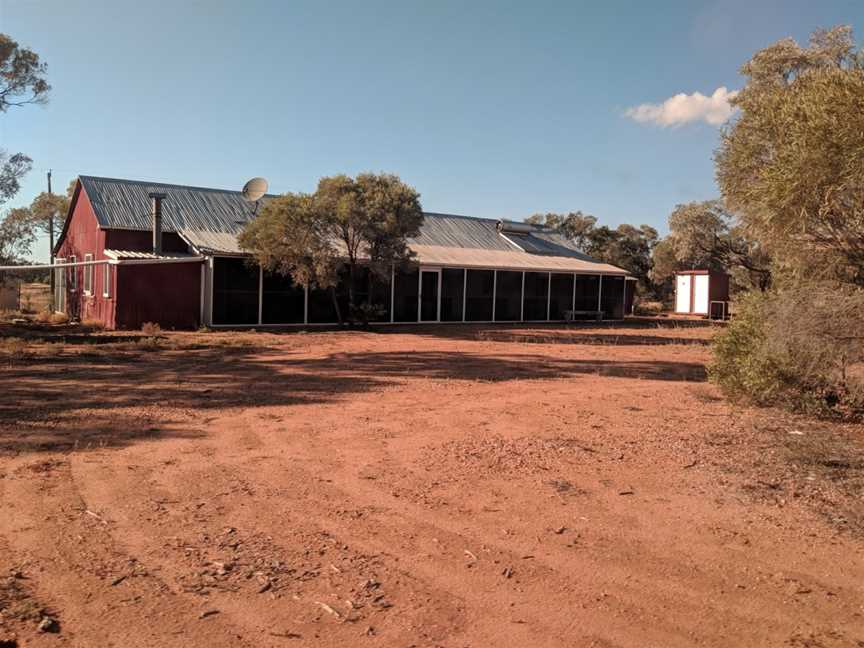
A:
{"x":457,"y":487}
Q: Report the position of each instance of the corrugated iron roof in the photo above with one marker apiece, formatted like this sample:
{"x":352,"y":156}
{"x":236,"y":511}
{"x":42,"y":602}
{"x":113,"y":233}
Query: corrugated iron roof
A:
{"x":210,"y":219}
{"x":212,"y":242}
{"x":460,"y":231}
{"x":125,"y":204}
{"x":135,"y":254}
{"x":509,"y":260}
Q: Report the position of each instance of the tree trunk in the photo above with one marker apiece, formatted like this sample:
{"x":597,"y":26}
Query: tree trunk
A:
{"x":352,"y":307}
{"x":336,"y":305}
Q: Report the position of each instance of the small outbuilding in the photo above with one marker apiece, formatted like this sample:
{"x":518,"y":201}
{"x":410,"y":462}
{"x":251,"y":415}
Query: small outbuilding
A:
{"x":702,"y":292}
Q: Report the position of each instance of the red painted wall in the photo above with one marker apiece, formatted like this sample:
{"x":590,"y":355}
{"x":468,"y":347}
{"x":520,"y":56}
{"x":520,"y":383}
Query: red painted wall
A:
{"x":83,"y":236}
{"x":165,"y":294}
{"x":168,"y":295}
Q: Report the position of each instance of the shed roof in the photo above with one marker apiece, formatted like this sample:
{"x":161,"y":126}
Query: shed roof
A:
{"x":210,"y":220}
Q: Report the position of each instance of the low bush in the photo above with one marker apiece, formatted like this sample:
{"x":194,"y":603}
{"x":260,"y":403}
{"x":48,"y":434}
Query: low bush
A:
{"x":93,"y":324}
{"x":150,"y":328}
{"x":801,"y":347}
{"x":13,"y":348}
{"x":650,"y":308}
{"x":43,"y":317}
{"x":58,"y":318}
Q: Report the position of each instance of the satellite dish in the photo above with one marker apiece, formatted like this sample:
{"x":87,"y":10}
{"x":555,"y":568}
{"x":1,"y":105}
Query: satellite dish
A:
{"x":254,"y":189}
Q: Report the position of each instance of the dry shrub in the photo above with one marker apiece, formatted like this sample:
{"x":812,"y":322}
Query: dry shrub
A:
{"x":801,"y":347}
{"x":93,"y":324}
{"x":43,"y":317}
{"x":9,"y":314}
{"x":58,"y":318}
{"x":650,"y":308}
{"x":13,"y":348}
{"x":151,"y":328}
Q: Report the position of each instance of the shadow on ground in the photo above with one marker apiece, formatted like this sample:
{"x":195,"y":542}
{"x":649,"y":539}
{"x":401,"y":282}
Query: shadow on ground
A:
{"x":117,"y":393}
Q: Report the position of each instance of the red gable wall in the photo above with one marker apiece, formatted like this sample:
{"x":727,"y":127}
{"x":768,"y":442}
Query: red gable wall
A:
{"x":83,"y":236}
{"x":166,"y":294}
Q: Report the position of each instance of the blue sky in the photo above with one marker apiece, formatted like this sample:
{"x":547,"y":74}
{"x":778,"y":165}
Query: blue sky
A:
{"x":495,"y":109}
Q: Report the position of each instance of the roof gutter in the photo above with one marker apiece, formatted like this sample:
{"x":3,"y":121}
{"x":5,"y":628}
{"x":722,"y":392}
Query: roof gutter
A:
{"x":47,"y":266}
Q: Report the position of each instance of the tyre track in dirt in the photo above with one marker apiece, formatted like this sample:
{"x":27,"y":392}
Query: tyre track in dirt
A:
{"x":103,"y":595}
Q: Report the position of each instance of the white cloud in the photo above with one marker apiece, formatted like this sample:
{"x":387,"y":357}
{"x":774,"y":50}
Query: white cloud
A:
{"x":684,"y":108}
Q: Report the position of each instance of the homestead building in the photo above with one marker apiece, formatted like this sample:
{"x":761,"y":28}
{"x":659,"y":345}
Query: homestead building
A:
{"x":168,"y":254}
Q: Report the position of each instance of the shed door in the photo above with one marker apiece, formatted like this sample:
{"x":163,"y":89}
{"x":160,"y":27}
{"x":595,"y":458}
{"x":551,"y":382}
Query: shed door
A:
{"x":682,"y":293}
{"x":700,"y":294}
{"x":429,"y":282}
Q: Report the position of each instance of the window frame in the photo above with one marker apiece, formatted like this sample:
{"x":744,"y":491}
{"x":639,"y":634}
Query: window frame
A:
{"x":106,"y":281}
{"x":88,"y":275}
{"x":73,"y":274}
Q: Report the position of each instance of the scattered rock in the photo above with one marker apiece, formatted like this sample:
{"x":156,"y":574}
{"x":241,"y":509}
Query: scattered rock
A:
{"x":626,"y":492}
{"x":48,"y":624}
{"x":208,"y":613}
{"x":329,"y":610}
{"x":560,"y":530}
{"x":508,"y":572}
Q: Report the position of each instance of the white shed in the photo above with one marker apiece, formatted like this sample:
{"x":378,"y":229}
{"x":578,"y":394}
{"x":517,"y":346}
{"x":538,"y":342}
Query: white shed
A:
{"x":701,"y":292}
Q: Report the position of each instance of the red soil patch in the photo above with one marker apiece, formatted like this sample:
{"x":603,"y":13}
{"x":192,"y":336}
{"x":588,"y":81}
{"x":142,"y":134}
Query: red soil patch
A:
{"x":440,"y":487}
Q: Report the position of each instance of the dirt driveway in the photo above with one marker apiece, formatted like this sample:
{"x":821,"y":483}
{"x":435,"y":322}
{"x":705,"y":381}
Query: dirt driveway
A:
{"x":459,"y":487}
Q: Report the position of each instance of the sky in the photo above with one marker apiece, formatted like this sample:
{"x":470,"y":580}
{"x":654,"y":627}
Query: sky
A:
{"x":493,"y":109}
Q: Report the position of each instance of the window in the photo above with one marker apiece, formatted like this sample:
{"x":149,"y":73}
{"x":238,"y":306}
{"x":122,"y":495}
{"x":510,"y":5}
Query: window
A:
{"x":106,"y":280}
{"x":88,"y":275}
{"x":235,"y":291}
{"x":406,"y":292}
{"x":508,"y":296}
{"x":283,"y":300}
{"x":73,"y":274}
{"x":561,"y":293}
{"x":452,"y":299}
{"x":536,"y":296}
{"x":478,"y":295}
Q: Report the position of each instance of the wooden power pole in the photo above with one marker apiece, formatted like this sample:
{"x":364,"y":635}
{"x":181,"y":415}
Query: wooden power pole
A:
{"x":51,"y":299}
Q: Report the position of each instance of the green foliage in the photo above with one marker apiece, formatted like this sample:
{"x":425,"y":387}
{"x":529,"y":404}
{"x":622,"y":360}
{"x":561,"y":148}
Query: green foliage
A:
{"x":801,"y":347}
{"x":22,"y":75}
{"x":16,"y":236}
{"x":290,"y":237}
{"x":575,"y":226}
{"x":705,"y":235}
{"x":47,"y":206}
{"x":12,"y":169}
{"x":627,"y":246}
{"x":792,"y":164}
{"x":346,"y":222}
{"x":22,"y":81}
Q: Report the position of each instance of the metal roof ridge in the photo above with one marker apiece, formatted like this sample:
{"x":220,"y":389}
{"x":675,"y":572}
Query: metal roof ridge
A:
{"x":172,"y":185}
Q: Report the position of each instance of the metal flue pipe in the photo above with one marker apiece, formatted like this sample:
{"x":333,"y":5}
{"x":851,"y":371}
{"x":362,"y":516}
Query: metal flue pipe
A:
{"x":156,"y":220}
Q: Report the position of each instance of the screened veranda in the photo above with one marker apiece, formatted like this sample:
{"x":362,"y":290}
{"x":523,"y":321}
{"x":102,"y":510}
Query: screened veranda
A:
{"x":242,"y":295}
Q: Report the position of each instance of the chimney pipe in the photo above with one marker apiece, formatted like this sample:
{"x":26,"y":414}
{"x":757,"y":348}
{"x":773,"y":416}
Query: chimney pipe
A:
{"x":156,"y":220}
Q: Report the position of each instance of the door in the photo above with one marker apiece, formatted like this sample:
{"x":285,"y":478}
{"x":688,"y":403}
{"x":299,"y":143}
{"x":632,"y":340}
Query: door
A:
{"x":700,"y":294}
{"x":682,"y":293}
{"x":429,"y":282}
